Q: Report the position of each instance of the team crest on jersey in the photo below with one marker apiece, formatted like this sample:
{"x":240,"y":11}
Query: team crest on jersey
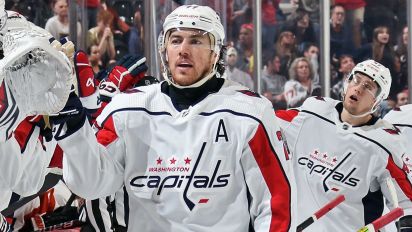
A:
{"x":394,"y":131}
{"x":329,"y":168}
{"x":173,"y":174}
{"x":249,"y":93}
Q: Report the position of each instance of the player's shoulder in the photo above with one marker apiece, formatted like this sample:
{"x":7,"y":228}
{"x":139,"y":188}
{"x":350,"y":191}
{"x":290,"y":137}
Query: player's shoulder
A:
{"x":132,"y":98}
{"x":233,"y":94}
{"x":319,"y":105}
{"x":400,"y":116}
{"x":385,"y":135}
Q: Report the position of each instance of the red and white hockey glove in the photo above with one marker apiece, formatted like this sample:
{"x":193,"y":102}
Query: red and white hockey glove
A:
{"x":86,"y":83}
{"x":128,"y":71}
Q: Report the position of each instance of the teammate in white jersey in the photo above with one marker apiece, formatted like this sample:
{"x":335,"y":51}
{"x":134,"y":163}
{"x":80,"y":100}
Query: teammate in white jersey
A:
{"x":195,"y":152}
{"x":341,"y":148}
{"x":402,"y":118}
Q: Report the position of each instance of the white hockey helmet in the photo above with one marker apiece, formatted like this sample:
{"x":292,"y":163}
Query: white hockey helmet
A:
{"x":194,"y":17}
{"x":378,"y":73}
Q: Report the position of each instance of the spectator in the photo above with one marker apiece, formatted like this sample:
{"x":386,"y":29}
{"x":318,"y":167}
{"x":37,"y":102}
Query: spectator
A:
{"x":286,"y":49}
{"x":95,"y":58}
{"x":301,"y":26}
{"x":272,"y":82}
{"x":102,"y":36}
{"x":269,"y":24}
{"x":379,"y":50}
{"x":237,"y":16}
{"x":346,"y":64}
{"x":135,"y":40}
{"x":401,"y":50}
{"x":340,"y":33}
{"x":92,"y":10}
{"x":380,"y":13}
{"x":311,"y":52}
{"x":235,"y":74}
{"x":402,"y":98}
{"x":354,"y":10}
{"x":300,"y":86}
{"x":58,"y":25}
{"x":245,"y":48}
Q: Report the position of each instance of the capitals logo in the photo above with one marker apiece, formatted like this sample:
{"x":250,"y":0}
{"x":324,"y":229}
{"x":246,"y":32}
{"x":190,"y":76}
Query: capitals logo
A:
{"x":329,"y":169}
{"x":216,"y":179}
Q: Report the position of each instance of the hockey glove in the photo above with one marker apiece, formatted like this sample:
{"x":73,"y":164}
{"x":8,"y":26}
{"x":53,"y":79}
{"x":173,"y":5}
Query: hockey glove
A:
{"x":128,"y":71}
{"x":71,"y":118}
{"x":86,"y":83}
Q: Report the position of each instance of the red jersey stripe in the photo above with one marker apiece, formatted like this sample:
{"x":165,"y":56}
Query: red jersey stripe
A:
{"x":287,"y":115}
{"x":275,"y":179}
{"x":400,"y":177}
{"x":107,"y":134}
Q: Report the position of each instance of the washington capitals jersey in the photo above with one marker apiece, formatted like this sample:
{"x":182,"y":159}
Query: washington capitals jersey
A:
{"x":24,"y":159}
{"x":401,"y":118}
{"x":219,"y":165}
{"x":331,"y":157}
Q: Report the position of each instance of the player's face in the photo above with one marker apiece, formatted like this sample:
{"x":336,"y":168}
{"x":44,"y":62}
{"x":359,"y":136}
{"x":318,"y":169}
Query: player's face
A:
{"x":361,"y":94}
{"x":189,"y":56}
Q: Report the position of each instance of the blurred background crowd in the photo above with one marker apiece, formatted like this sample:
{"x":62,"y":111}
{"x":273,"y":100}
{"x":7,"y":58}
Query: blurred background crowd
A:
{"x":359,"y":30}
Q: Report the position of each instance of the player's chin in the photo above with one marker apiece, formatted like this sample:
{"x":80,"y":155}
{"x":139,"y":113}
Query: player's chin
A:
{"x":183,"y":80}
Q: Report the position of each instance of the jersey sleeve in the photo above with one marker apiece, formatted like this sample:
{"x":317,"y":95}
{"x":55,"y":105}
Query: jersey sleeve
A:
{"x":397,"y":173}
{"x":24,"y":160}
{"x":268,"y":174}
{"x":94,"y":167}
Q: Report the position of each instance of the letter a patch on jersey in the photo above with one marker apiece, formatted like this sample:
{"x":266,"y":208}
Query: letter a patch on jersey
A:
{"x":221,"y":132}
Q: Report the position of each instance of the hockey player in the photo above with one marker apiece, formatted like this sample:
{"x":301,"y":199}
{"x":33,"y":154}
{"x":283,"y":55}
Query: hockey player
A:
{"x":341,"y":148}
{"x":401,"y":118}
{"x":195,"y":152}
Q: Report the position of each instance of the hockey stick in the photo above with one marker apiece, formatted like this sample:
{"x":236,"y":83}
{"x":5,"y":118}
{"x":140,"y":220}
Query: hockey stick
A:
{"x":318,"y":214}
{"x":382,"y":221}
{"x":50,"y":181}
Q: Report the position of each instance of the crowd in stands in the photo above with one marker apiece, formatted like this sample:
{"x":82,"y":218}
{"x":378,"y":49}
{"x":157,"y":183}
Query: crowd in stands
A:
{"x":359,"y":30}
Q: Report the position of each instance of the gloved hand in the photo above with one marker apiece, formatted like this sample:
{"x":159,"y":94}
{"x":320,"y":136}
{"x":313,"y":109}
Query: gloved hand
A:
{"x":129,"y":70}
{"x":71,"y":118}
{"x":86,"y":83}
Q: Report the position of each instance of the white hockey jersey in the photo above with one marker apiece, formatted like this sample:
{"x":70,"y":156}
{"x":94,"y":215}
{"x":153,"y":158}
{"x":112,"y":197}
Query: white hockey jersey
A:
{"x":24,"y":160}
{"x":331,"y":157}
{"x":402,"y":119}
{"x":217,"y":166}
